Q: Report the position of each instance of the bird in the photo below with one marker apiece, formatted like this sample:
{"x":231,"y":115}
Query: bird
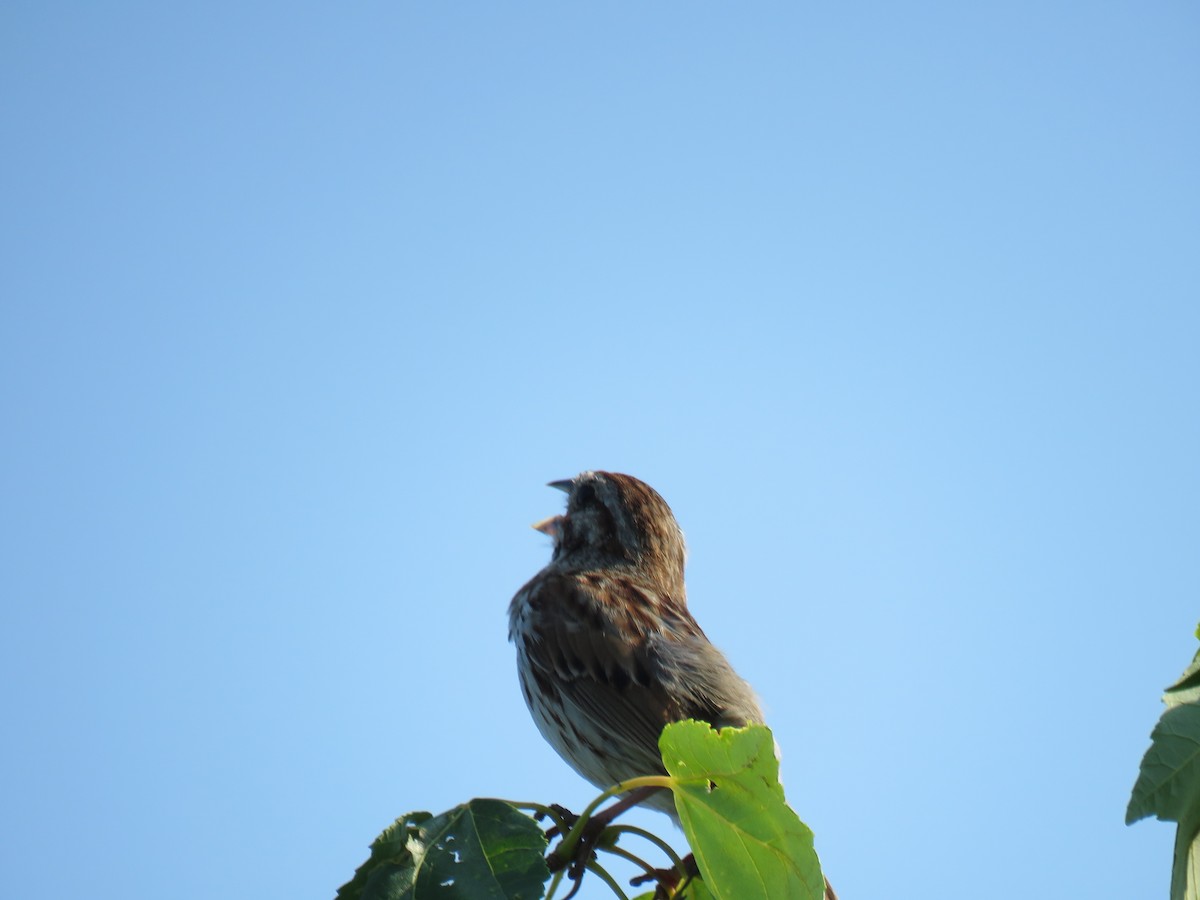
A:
{"x":607,"y":651}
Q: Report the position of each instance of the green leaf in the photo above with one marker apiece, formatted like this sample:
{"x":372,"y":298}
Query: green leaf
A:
{"x":1168,"y":785}
{"x":389,"y":850}
{"x":747,"y":841}
{"x":482,"y":850}
{"x":1187,"y":688}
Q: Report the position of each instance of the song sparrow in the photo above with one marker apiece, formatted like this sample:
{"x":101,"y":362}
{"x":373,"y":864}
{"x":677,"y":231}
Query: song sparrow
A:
{"x":606,"y":649}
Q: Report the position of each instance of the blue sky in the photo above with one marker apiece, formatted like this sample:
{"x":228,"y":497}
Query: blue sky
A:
{"x":897,"y":305}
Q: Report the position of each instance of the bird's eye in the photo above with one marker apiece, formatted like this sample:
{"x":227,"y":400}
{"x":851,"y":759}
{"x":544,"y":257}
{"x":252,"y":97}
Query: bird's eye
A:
{"x":585,"y":495}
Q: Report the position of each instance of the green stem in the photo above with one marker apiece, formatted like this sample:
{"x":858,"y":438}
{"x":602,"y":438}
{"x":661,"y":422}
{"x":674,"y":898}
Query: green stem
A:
{"x":607,"y":879}
{"x":568,"y":844}
{"x":554,"y":883}
{"x":683,"y":885}
{"x":662,"y":845}
{"x":540,"y":808}
{"x":632,"y":857}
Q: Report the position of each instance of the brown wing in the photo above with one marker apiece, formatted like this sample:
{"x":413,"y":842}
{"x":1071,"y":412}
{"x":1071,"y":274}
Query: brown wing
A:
{"x":625,"y":662}
{"x":607,"y":680}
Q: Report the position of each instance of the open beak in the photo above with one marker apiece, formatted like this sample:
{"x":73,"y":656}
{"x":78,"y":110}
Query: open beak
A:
{"x":551,"y":526}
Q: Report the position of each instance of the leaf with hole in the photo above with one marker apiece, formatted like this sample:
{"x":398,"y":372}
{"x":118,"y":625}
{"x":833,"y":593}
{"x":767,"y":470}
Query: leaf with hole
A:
{"x":748,"y":843}
{"x":481,"y":850}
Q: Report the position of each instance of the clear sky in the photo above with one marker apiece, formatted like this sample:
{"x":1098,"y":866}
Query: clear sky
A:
{"x":898,"y":305}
